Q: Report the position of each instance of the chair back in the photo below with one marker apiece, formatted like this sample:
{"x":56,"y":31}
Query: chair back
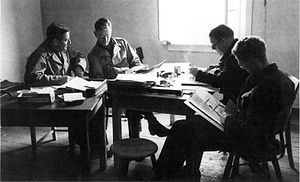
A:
{"x":139,"y":52}
{"x":283,"y":119}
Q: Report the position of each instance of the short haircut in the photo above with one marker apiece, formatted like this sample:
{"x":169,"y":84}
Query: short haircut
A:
{"x":102,"y":24}
{"x":250,"y":47}
{"x":221,"y":31}
{"x":56,"y":31}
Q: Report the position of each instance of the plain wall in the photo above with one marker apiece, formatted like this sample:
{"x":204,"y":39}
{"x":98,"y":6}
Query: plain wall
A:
{"x":21,"y":32}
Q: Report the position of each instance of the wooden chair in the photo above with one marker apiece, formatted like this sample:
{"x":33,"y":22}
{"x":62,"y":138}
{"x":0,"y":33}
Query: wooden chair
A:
{"x":282,"y":126}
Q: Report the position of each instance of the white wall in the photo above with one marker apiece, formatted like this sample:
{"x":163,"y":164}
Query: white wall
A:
{"x":21,"y":32}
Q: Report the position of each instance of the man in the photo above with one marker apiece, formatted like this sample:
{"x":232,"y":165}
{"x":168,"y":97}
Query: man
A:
{"x":112,"y":56}
{"x":264,"y":94}
{"x":53,"y":62}
{"x":227,"y":75}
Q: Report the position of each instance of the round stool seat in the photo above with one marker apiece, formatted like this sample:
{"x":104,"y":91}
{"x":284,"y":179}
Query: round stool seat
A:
{"x":134,"y":148}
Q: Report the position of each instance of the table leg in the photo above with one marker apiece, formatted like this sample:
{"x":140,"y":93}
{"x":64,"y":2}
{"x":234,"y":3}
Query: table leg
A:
{"x":116,"y":112}
{"x":33,"y":143}
{"x":102,"y":139}
{"x":85,"y":148}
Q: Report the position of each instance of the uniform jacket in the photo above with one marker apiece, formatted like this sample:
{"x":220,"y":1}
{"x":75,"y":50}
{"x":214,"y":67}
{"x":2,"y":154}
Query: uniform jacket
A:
{"x":261,"y":99}
{"x":101,"y":62}
{"x":45,"y":68}
{"x":229,"y":77}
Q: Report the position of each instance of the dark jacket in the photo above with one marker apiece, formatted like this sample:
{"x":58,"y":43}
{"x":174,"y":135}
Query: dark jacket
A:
{"x":45,"y":68}
{"x":101,"y":62}
{"x":262,"y":98}
{"x":229,"y":77}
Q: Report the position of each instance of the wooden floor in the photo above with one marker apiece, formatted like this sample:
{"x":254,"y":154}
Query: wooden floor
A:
{"x":55,"y":164}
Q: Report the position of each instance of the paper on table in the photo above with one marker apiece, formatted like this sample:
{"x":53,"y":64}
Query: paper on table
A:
{"x":42,"y":90}
{"x":138,"y":77}
{"x":69,"y":97}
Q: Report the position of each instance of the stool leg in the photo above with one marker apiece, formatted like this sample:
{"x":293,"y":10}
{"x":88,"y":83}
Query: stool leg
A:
{"x":153,"y":160}
{"x":121,"y":166}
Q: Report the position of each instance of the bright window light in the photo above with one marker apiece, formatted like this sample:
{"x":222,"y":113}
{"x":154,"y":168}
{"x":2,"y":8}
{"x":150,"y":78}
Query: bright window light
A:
{"x":188,"y":22}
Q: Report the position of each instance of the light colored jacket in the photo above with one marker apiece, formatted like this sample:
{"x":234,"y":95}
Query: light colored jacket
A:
{"x":101,"y":62}
{"x":45,"y":68}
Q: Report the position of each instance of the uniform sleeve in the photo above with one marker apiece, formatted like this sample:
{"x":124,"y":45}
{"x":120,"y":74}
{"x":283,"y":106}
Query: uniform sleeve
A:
{"x":98,"y":70}
{"x":132,"y":57}
{"x":77,"y":59}
{"x":35,"y":73}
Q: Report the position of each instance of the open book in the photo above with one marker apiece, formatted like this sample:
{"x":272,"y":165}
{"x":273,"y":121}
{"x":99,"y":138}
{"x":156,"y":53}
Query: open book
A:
{"x":207,"y":106}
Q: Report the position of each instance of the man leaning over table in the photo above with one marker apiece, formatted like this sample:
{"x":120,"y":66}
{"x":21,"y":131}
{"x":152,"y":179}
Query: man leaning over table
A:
{"x":53,"y":63}
{"x":265,"y":92}
{"x":112,"y":56}
{"x":226,"y":75}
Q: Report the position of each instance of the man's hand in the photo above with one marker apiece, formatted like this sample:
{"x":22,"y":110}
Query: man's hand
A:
{"x":194,"y":70}
{"x":64,"y":80}
{"x":78,"y":71}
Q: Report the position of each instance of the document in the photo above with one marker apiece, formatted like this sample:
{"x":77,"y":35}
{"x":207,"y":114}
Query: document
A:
{"x":207,"y":106}
{"x":90,"y":87}
{"x":151,"y":68}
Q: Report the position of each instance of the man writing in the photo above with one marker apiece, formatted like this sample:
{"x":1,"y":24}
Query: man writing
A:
{"x":53,"y":62}
{"x":227,"y":75}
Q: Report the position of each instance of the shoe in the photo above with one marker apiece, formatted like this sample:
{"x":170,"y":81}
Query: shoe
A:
{"x":184,"y":174}
{"x":155,"y":128}
{"x":140,"y":159}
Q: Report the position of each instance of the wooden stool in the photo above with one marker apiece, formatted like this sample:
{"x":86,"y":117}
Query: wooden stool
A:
{"x":132,"y":149}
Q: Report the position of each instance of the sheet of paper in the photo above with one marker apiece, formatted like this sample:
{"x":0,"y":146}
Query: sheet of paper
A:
{"x":69,"y":97}
{"x":42,"y":90}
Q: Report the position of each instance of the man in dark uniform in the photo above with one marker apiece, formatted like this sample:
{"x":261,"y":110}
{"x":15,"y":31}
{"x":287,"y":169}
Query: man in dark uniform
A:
{"x":264,"y":94}
{"x":227,"y":75}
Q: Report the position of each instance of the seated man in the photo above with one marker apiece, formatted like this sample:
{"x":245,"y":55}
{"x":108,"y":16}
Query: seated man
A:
{"x":53,"y":62}
{"x":112,"y":56}
{"x":265,"y":92}
{"x":227,"y":75}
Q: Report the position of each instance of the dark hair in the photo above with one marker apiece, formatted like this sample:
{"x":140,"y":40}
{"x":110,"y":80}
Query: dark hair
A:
{"x":56,"y":31}
{"x":102,"y":24}
{"x":221,"y":31}
{"x":250,"y":47}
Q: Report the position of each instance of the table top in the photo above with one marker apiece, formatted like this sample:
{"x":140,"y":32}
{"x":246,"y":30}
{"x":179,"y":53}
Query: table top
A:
{"x":87,"y":105}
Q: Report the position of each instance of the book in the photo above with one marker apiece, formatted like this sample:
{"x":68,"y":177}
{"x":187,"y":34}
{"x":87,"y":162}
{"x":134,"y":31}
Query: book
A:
{"x":34,"y":97}
{"x":89,"y":88}
{"x":207,"y":106}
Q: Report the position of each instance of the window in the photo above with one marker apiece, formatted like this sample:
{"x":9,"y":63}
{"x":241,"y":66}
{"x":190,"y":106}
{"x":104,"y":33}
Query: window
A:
{"x":188,"y":22}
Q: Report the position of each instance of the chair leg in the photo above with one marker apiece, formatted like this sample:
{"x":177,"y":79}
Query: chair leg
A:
{"x":53,"y":133}
{"x":227,"y":168}
{"x":266,"y":171}
{"x":235,"y":167}
{"x":172,"y":119}
{"x":277,"y":169}
{"x":289,"y":148}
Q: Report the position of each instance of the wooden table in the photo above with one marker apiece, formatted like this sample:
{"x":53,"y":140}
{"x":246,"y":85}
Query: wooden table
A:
{"x":147,"y":100}
{"x":58,"y":114}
